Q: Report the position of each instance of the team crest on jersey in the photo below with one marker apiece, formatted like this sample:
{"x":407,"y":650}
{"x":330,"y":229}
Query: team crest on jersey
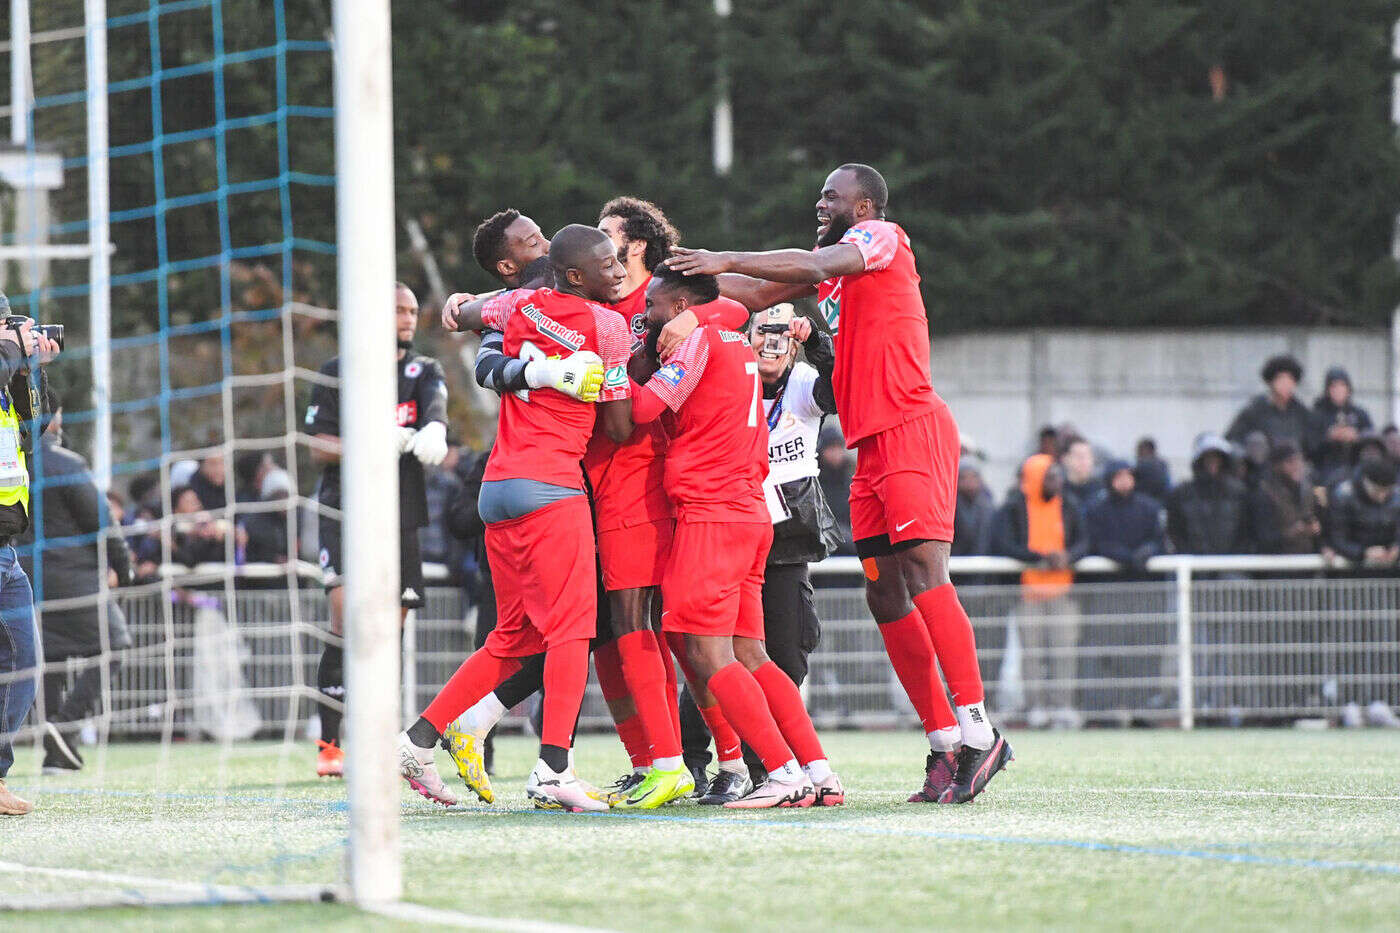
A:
{"x":325,"y":556}
{"x":672,"y":373}
{"x":616,"y":377}
{"x":413,"y":370}
{"x":639,"y":324}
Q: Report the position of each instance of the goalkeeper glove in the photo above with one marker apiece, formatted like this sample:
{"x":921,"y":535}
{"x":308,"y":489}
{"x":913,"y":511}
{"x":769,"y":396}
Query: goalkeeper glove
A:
{"x":430,"y":444}
{"x":579,"y":376}
{"x":405,"y":439}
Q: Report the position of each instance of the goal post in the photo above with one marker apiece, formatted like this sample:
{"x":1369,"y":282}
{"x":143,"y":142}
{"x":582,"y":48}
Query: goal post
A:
{"x":365,"y":281}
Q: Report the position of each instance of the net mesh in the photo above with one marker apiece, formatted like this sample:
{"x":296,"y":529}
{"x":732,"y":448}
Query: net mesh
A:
{"x":194,"y":779}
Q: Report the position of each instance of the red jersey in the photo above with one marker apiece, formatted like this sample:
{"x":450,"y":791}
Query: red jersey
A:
{"x":881,"y":329}
{"x":627,"y":478}
{"x":718,"y":455}
{"x":542,"y":433}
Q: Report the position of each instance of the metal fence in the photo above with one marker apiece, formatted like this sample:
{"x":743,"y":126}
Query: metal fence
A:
{"x":1217,"y":640}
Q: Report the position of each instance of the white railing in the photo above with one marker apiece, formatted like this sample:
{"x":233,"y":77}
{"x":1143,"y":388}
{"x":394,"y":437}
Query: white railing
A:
{"x":1196,"y":640}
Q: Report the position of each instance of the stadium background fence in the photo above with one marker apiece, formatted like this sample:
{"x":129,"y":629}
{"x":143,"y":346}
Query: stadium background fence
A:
{"x":1198,"y":640}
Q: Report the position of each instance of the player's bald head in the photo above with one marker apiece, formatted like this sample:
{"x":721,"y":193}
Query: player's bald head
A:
{"x":573,"y":246}
{"x":870,"y":184}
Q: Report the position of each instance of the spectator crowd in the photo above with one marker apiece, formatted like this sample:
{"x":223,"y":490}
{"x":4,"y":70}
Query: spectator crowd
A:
{"x":1283,"y":478}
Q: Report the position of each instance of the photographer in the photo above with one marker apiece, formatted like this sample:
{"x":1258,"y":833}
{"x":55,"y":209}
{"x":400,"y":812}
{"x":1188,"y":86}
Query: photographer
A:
{"x":22,"y":348}
{"x":796,"y":397}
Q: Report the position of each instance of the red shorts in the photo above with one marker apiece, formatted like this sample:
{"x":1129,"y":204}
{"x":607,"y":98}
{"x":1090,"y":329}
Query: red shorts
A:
{"x":713,"y":583}
{"x":542,"y":567}
{"x":635,"y":557}
{"x":906,"y":481}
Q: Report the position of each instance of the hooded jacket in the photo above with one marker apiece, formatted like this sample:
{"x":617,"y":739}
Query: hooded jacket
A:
{"x":1355,"y":521}
{"x":1335,"y":458}
{"x":1126,"y":529}
{"x":1206,"y":514}
{"x":1276,"y":508}
{"x":1024,"y":528}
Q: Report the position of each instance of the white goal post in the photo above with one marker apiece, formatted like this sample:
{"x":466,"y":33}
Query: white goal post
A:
{"x":365,"y":279}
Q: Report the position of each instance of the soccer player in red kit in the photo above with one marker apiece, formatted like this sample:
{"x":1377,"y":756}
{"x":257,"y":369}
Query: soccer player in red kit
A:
{"x":634,"y":520}
{"x":539,"y":531}
{"x":905,"y":486}
{"x":709,"y":398}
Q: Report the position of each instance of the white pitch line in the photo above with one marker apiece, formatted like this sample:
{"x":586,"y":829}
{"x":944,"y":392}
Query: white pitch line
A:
{"x":189,"y":891}
{"x":419,"y":913}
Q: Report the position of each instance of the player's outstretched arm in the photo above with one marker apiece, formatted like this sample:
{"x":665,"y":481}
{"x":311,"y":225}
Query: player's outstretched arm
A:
{"x":795,"y":266}
{"x":462,"y":312}
{"x":758,"y":294}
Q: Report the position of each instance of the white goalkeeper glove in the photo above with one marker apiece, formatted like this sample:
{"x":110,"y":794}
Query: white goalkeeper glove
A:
{"x":430,"y":444}
{"x":405,"y":439}
{"x":579,"y":376}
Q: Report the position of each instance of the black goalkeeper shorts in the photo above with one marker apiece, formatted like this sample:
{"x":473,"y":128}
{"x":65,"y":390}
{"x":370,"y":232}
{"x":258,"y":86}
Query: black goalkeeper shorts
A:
{"x":410,"y":562}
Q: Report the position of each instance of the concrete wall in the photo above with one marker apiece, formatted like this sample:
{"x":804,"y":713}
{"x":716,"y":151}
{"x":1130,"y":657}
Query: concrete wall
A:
{"x":1119,"y":385}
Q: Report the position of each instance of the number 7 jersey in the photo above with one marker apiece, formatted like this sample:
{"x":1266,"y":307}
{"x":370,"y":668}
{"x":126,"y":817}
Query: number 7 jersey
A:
{"x":718,"y":454}
{"x":541,"y":433}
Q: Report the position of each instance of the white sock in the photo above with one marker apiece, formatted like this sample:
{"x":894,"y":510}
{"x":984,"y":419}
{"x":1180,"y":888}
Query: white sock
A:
{"x":667,"y":764}
{"x":483,"y":716}
{"x":735,"y":766}
{"x":818,"y":770}
{"x":788,"y":773}
{"x":976,"y":727}
{"x":945,"y":740}
{"x":641,"y":769}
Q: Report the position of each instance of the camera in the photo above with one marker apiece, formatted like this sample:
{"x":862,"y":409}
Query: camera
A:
{"x":775,"y":340}
{"x":52,"y":331}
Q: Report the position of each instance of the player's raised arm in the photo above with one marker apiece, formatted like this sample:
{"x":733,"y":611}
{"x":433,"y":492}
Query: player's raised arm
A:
{"x":794,"y":266}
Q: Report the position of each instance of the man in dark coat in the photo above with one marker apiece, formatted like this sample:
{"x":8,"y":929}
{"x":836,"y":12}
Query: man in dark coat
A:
{"x":1340,"y":426}
{"x":1206,"y":514}
{"x":1363,"y":521}
{"x":972,"y":518}
{"x":1277,"y":413}
{"x":73,"y":507}
{"x":1282,"y":514}
{"x":1154,"y":477}
{"x":1125,"y":525}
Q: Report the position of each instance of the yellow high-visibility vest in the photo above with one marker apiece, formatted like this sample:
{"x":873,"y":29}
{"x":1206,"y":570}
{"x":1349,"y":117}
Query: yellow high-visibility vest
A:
{"x":14,"y":471}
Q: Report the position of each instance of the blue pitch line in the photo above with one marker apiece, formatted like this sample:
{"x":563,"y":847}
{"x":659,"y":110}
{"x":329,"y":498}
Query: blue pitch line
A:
{"x":1243,"y":858}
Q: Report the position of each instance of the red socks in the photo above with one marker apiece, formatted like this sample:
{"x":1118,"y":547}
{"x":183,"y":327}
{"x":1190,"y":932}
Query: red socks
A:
{"x":479,"y":674}
{"x":910,"y":649}
{"x":726,"y":739}
{"x":673,"y":696}
{"x":744,"y":705}
{"x":607,"y":662}
{"x":645,"y":673}
{"x":789,"y":712}
{"x":950,"y":630}
{"x":565,"y":676}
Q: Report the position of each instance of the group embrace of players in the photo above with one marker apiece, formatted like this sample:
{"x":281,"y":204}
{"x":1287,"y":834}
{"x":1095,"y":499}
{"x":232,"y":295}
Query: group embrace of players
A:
{"x":632,"y":444}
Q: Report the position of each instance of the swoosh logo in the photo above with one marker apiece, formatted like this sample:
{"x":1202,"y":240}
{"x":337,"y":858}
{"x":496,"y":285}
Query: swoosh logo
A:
{"x":899,"y":528}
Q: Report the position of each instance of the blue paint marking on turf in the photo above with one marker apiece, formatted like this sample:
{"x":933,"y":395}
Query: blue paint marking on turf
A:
{"x":1243,"y":858}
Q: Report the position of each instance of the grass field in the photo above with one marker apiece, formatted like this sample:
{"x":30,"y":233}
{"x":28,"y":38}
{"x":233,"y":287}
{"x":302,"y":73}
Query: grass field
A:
{"x":1245,"y":829}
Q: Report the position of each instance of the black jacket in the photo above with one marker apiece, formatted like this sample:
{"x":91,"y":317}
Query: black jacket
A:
{"x":1294,"y":423}
{"x":1126,"y":529}
{"x":1355,"y":521}
{"x":1276,"y":509}
{"x":1011,"y":527}
{"x":1206,"y":515}
{"x":1334,"y":458}
{"x":15,"y":389}
{"x":972,"y":524}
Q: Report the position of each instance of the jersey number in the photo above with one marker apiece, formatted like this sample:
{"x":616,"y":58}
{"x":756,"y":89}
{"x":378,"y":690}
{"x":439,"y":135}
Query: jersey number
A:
{"x":752,"y":370}
{"x":528,"y":351}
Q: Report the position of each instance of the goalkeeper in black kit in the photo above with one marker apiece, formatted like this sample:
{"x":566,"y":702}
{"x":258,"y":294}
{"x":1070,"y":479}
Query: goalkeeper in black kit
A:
{"x":422,"y":441}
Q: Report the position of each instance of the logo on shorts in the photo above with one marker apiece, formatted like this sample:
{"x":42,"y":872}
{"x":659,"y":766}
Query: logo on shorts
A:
{"x":413,"y":370}
{"x":899,"y":528}
{"x":617,"y":376}
{"x":672,"y":373}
